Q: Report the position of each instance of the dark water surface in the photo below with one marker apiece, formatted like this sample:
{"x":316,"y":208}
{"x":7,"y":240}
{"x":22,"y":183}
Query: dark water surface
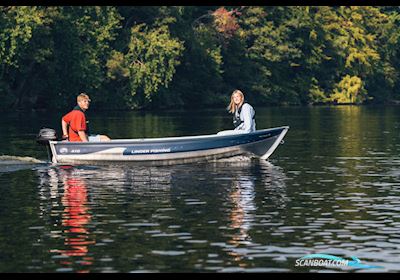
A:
{"x":332,"y":188}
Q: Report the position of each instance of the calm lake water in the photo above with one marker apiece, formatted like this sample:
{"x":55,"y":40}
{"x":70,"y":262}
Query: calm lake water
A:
{"x":332,"y":188}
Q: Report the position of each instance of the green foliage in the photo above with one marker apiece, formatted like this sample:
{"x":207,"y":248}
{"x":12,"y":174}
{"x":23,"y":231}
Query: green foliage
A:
{"x":316,"y":94}
{"x":191,"y":56}
{"x":149,"y":63}
{"x":82,"y":45}
{"x":17,"y":27}
{"x":61,"y":52}
{"x":349,"y":90}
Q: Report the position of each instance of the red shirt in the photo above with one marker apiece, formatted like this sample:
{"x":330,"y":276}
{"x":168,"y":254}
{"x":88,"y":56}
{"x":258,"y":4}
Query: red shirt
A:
{"x":76,"y":121}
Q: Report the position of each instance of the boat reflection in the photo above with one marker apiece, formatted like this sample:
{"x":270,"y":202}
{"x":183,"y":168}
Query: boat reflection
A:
{"x":261,"y":180}
{"x":86,"y":203}
{"x":71,"y":196}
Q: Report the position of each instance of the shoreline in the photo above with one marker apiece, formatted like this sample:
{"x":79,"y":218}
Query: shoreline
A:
{"x":210,"y":108}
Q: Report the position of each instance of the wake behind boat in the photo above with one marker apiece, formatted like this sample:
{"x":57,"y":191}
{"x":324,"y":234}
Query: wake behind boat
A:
{"x":16,"y":163}
{"x":168,"y":150}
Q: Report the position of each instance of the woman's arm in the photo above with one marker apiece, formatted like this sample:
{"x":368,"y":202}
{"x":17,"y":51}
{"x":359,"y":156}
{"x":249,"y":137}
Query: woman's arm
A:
{"x":247,"y":118}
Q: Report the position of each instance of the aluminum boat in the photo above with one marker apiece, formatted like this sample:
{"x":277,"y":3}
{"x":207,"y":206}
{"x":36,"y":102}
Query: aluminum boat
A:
{"x":169,"y":150}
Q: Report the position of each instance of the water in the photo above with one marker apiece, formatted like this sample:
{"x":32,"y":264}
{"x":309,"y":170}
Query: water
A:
{"x":332,"y":188}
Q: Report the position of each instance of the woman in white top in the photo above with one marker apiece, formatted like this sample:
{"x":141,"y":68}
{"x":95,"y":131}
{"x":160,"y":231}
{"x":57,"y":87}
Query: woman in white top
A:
{"x":243,"y":114}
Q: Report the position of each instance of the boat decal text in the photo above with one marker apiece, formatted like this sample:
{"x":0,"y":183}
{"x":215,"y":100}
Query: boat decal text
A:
{"x":150,"y":151}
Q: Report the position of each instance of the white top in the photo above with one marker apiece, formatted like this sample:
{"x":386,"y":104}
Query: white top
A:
{"x":246,"y":115}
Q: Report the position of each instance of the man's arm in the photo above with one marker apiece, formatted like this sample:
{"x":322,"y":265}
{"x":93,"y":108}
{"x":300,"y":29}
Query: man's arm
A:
{"x":83,"y":136}
{"x":64,"y":126}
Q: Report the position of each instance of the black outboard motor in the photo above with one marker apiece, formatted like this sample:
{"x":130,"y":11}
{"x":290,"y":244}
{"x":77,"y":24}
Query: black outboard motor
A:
{"x":45,"y":135}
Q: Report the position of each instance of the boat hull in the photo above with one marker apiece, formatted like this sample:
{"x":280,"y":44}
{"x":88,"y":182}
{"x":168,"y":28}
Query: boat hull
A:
{"x":169,"y":150}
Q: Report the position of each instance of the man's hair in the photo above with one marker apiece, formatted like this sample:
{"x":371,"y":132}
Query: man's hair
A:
{"x":82,"y":96}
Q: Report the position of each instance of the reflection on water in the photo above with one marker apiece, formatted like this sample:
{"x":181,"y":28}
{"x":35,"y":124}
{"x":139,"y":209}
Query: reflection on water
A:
{"x":241,"y":217}
{"x":332,"y":188}
{"x":242,"y":197}
{"x":75,"y":217}
{"x":244,"y":209}
{"x":153,"y":212}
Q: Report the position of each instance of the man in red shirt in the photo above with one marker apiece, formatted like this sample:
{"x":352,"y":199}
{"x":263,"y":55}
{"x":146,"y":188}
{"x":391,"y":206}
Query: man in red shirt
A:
{"x":74,"y":124}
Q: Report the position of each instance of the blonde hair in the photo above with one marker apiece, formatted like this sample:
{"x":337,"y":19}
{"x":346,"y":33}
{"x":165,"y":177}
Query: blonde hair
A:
{"x":82,"y":96}
{"x":232,"y":106}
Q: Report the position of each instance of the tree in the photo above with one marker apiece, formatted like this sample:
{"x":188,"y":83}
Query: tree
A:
{"x":148,"y":64}
{"x":18,"y":25}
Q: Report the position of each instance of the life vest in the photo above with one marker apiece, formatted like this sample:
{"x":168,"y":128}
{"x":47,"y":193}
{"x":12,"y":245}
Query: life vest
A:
{"x":236,"y":117}
{"x":87,"y":122}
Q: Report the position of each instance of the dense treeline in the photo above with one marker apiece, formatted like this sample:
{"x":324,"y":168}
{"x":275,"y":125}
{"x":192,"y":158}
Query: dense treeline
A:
{"x":192,"y":56}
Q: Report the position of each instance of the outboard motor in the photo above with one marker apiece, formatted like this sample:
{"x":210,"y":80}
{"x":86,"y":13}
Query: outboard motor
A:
{"x":45,"y":135}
